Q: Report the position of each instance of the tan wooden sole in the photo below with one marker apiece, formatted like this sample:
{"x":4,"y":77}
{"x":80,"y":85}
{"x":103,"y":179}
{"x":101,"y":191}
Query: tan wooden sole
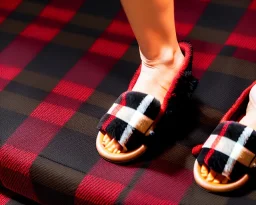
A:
{"x":118,"y":158}
{"x":217,"y":187}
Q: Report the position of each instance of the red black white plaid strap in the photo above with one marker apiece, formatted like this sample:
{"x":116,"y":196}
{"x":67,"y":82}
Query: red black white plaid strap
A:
{"x":230,"y":149}
{"x":130,"y":118}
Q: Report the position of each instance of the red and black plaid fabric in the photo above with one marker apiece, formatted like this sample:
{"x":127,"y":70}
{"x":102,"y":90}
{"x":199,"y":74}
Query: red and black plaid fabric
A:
{"x":230,"y":150}
{"x":62,"y":65}
{"x":8,"y":197}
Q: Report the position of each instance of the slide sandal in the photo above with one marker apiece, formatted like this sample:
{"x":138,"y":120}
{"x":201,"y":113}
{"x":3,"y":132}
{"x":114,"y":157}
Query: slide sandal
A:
{"x":230,"y":150}
{"x":133,"y":117}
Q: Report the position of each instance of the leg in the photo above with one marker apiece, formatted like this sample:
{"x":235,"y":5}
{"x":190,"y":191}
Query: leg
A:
{"x":153,"y":24}
{"x":249,"y":120}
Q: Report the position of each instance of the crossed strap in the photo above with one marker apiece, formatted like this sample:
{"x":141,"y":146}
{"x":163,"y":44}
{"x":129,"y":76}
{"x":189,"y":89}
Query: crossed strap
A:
{"x":130,"y":118}
{"x":230,"y":150}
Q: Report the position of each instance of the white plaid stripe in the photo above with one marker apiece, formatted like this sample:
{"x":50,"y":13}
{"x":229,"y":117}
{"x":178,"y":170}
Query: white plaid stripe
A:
{"x":125,"y":136}
{"x":210,"y":141}
{"x":225,"y":145}
{"x":238,"y":150}
{"x":111,"y":109}
{"x":138,"y":120}
{"x":231,"y":148}
{"x":134,"y":118}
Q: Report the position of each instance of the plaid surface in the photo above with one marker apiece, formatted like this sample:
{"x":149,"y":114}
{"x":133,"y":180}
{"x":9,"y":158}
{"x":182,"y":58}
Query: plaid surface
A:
{"x":62,"y":65}
{"x":10,"y":198}
{"x":229,"y":150}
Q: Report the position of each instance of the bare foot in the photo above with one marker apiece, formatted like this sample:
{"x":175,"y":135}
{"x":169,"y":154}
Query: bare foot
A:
{"x":155,"y":79}
{"x":249,"y":120}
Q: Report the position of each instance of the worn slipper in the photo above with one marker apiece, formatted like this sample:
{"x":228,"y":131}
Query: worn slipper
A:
{"x":132,"y":119}
{"x":230,"y":150}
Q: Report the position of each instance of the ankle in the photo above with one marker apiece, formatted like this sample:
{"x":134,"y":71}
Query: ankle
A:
{"x":166,"y":58}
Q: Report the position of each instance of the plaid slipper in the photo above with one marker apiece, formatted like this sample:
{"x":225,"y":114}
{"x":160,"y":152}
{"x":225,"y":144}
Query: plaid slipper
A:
{"x":132,"y":119}
{"x":230,"y":150}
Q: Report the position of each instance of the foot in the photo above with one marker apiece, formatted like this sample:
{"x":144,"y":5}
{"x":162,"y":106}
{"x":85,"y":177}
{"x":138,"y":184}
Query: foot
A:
{"x":155,"y":79}
{"x":249,"y":120}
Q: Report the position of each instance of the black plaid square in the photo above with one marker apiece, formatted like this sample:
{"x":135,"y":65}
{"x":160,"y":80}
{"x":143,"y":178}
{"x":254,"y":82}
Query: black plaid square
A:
{"x":221,"y":17}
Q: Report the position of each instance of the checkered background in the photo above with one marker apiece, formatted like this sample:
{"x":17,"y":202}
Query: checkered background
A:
{"x":62,"y":65}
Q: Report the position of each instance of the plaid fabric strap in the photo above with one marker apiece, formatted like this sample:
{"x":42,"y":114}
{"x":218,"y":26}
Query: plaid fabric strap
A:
{"x":230,"y":149}
{"x":130,"y":118}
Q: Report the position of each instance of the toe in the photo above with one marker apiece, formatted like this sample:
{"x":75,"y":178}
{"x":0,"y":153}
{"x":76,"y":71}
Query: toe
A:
{"x":109,"y":144}
{"x":218,"y":179}
{"x":111,"y":148}
{"x":225,"y":180}
{"x":117,"y":147}
{"x":211,"y":176}
{"x":112,"y":145}
{"x":107,"y":140}
{"x":204,"y":171}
